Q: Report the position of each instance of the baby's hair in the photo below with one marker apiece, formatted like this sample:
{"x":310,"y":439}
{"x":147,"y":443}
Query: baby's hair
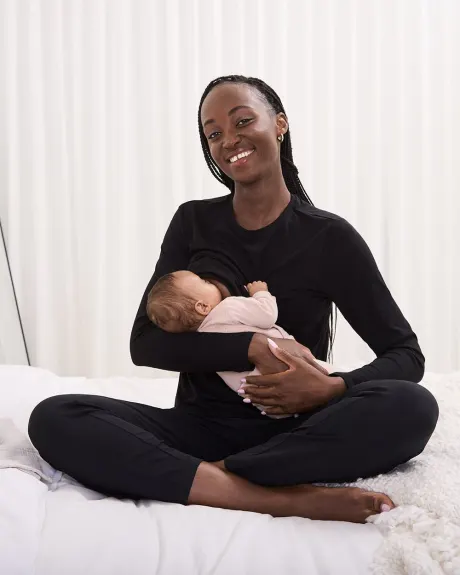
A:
{"x":170,"y":308}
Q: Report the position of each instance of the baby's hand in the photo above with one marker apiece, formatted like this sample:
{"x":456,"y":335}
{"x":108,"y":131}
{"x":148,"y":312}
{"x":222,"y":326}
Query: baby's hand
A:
{"x":254,"y":287}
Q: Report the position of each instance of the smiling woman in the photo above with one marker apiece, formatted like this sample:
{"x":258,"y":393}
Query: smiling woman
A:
{"x":214,"y":447}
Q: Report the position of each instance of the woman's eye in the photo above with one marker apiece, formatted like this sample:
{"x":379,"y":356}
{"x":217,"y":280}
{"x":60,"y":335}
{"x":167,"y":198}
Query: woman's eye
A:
{"x":245,"y":120}
{"x":242,"y":122}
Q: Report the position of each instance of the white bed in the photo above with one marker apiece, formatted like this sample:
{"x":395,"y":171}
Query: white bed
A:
{"x":63,"y":528}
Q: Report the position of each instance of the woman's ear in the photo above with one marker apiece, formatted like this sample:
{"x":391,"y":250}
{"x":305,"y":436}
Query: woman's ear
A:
{"x":202,"y":308}
{"x":282,"y":123}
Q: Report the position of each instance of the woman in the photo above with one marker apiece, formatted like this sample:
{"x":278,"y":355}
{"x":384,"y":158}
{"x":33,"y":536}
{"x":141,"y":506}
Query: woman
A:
{"x":213,"y":448}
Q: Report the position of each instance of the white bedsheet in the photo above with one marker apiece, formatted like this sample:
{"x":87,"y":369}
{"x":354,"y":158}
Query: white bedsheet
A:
{"x":67,"y":529}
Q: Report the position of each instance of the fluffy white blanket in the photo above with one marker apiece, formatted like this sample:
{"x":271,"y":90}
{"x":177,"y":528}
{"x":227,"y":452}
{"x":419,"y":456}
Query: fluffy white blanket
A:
{"x":422,"y":535}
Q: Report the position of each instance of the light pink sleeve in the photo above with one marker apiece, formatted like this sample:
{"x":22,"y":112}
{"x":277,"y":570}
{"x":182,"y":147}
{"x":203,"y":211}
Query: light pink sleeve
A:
{"x":259,"y":311}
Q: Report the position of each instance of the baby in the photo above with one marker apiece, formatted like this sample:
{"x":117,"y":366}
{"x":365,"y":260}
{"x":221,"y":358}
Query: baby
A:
{"x":182,"y":301}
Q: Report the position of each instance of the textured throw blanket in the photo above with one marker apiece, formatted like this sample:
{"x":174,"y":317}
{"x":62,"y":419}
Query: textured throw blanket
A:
{"x":422,"y":535}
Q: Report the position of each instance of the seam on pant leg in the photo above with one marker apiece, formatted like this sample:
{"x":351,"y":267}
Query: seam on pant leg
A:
{"x":161,"y":444}
{"x":135,"y":407}
{"x":205,"y":449}
{"x":178,"y":455}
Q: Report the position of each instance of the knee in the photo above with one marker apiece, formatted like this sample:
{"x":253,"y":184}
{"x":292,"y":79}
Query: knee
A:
{"x":46,"y":422}
{"x":416,"y":404}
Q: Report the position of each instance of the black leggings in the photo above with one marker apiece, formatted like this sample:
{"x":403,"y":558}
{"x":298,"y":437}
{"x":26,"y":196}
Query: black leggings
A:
{"x":136,"y":451}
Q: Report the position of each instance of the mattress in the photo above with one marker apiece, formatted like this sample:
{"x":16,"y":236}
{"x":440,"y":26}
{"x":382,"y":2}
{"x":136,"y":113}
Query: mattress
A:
{"x":63,"y":527}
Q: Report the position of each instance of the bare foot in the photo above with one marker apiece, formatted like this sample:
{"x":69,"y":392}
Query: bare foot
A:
{"x":337,"y":503}
{"x":215,"y":486}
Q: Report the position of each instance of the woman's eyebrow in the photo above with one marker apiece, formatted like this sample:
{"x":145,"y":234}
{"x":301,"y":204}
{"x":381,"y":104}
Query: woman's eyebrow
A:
{"x":232,"y":111}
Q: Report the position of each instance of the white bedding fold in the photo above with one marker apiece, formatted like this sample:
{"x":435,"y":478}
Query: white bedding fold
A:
{"x":16,"y":452}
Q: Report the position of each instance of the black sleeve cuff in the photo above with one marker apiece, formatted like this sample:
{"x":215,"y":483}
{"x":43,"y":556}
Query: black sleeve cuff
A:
{"x":345,"y":376}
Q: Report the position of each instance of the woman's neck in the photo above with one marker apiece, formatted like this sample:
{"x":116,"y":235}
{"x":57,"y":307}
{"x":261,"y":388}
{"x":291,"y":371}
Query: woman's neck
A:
{"x":261,"y":203}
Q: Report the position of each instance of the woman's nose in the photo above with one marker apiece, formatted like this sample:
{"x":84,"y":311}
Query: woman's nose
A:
{"x":231,"y":140}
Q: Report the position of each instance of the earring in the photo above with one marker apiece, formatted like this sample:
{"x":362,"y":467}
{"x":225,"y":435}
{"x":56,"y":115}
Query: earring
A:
{"x":280,"y":138}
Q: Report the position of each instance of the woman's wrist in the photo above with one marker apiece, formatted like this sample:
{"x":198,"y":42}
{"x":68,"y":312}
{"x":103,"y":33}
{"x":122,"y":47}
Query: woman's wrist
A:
{"x":260,"y":356}
{"x":333,"y":387}
{"x":339,"y":385}
{"x":258,"y":345}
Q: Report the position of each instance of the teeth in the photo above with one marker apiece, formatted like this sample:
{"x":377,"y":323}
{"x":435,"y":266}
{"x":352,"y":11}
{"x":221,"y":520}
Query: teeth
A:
{"x":239,"y":156}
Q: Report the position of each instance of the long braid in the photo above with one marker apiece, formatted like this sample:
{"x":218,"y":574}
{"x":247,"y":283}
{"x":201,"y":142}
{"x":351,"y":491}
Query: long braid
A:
{"x":289,"y":169}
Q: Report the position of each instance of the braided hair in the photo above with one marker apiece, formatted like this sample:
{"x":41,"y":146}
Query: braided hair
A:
{"x":289,"y":169}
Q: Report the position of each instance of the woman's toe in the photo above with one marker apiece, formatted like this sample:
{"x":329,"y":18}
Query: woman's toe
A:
{"x":382,"y":503}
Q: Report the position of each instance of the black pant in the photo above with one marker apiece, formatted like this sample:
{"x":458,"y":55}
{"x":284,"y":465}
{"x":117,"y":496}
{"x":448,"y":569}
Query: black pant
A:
{"x":131,"y":450}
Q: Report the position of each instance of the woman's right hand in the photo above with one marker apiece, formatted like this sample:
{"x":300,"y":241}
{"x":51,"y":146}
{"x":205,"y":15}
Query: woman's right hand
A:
{"x":260,"y":355}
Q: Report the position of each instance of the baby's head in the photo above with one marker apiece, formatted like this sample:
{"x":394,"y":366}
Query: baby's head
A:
{"x":181,"y":300}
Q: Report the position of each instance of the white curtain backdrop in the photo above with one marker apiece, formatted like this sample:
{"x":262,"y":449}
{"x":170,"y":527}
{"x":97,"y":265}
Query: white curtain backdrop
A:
{"x":99,"y":145}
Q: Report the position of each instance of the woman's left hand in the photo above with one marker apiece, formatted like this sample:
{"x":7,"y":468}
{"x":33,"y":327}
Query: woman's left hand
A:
{"x":299,"y":389}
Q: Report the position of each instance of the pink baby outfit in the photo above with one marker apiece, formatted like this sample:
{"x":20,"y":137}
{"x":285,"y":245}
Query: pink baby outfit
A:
{"x":235,"y":314}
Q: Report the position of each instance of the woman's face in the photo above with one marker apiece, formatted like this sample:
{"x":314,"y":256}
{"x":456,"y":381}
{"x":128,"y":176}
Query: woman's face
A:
{"x":236,"y":120}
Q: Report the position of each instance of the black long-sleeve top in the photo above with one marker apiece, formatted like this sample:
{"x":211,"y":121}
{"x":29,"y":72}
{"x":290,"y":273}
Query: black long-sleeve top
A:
{"x":309,"y":258}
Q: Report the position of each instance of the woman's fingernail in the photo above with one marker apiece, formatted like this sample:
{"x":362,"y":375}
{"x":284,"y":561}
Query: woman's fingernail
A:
{"x":263,"y":413}
{"x":271,"y":343}
{"x":241,"y":391}
{"x":384,"y":507}
{"x":247,"y":400}
{"x":243,"y":380}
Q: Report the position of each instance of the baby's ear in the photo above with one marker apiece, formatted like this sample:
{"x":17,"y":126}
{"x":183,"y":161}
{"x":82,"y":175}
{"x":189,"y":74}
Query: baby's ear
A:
{"x":202,"y":308}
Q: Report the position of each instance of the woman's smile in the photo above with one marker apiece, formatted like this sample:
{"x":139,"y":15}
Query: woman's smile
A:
{"x":240,"y":159}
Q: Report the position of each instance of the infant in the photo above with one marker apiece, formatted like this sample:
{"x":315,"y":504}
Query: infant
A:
{"x":182,"y":301}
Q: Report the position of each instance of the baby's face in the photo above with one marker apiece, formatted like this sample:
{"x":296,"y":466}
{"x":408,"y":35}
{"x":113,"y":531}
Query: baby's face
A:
{"x":197,"y":288}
